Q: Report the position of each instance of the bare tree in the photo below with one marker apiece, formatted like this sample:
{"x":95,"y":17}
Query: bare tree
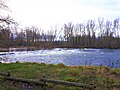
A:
{"x":69,"y":33}
{"x":116,"y":27}
{"x":3,"y":5}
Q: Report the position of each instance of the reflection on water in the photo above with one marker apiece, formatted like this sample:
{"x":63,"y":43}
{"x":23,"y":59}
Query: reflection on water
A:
{"x":71,"y":57}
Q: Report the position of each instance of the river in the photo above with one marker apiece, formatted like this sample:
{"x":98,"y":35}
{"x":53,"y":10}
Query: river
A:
{"x":70,"y":57}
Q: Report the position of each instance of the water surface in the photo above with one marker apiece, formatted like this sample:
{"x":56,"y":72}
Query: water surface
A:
{"x":70,"y":57}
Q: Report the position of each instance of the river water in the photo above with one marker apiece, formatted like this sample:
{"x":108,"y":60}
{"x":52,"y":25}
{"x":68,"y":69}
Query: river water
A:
{"x":70,"y":57}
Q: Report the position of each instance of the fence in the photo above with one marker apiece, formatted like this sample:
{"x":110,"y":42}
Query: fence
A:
{"x":43,"y":81}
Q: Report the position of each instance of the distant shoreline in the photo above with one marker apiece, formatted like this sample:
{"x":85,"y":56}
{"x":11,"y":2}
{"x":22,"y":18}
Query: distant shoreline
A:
{"x":35,"y":48}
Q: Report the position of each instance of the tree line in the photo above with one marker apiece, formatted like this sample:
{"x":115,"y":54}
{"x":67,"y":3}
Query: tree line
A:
{"x":93,"y":34}
{"x":90,"y":34}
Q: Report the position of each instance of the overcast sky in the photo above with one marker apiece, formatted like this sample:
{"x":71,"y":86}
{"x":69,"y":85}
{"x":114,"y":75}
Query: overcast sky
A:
{"x":44,"y":13}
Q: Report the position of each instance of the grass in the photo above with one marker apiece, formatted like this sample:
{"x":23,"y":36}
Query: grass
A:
{"x":101,"y":77}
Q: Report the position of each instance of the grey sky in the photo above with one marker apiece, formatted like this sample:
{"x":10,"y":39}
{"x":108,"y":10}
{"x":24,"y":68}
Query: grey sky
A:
{"x":45,"y":13}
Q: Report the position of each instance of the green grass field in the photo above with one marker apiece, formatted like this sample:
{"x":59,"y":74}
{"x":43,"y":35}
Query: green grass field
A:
{"x":102,"y":77}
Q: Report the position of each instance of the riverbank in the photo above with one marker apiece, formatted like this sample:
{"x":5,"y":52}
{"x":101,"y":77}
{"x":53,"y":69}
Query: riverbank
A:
{"x":4,"y":49}
{"x":102,"y":77}
{"x":32,"y":48}
{"x":18,"y":49}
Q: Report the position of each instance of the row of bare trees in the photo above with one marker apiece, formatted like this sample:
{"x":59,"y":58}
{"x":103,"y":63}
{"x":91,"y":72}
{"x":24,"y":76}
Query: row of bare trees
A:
{"x":91,"y":34}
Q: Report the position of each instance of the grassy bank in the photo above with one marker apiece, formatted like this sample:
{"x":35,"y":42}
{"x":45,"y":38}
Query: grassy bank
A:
{"x":101,"y":77}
